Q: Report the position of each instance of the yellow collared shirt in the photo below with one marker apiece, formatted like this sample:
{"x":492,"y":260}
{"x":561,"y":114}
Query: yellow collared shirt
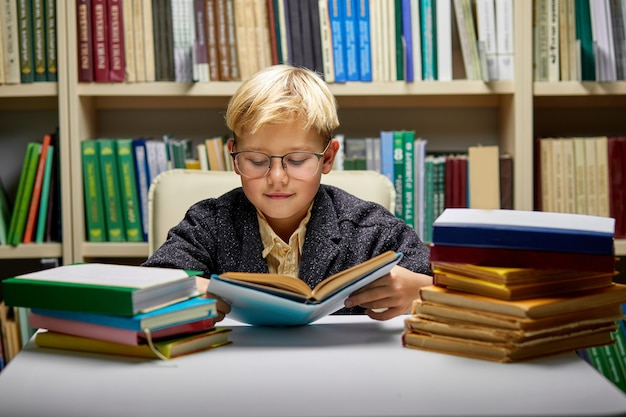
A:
{"x":282,"y":258}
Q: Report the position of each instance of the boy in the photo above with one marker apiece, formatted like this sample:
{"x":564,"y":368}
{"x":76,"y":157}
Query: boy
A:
{"x":282,"y":220}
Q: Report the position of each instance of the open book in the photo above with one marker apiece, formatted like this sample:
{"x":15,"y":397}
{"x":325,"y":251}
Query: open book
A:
{"x":280,"y":300}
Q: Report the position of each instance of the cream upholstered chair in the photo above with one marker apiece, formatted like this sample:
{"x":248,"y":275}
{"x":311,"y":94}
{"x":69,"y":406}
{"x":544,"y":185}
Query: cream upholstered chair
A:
{"x":172,"y":192}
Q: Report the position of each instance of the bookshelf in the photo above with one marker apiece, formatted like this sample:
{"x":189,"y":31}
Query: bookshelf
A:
{"x":507,"y":113}
{"x":27,"y":112}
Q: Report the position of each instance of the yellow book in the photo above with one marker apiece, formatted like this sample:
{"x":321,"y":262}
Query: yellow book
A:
{"x":162,"y":349}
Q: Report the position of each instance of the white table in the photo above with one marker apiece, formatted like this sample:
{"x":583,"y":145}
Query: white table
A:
{"x":341,"y":366}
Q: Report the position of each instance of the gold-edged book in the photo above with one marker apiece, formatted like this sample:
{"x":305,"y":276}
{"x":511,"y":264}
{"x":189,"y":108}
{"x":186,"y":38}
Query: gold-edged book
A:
{"x":533,"y":308}
{"x":539,"y":288}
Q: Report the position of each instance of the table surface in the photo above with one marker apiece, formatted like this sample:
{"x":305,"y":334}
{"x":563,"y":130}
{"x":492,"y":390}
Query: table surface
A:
{"x":339,"y":366}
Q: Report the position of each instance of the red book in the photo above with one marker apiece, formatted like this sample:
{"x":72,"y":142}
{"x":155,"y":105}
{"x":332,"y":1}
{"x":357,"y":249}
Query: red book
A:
{"x":521,"y":258}
{"x":271,"y":14}
{"x":84,"y":38}
{"x":31,"y":220}
{"x":100,"y":36}
{"x":117,"y":62}
{"x":617,"y":194}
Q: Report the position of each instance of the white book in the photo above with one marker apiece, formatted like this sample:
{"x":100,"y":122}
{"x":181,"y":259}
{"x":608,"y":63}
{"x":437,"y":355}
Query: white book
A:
{"x":417,"y":40}
{"x":486,"y":25}
{"x":11,"y":50}
{"x":138,"y":38}
{"x":505,"y":40}
{"x":443,"y":16}
{"x":328,"y":62}
{"x":129,"y":41}
{"x":148,"y":41}
{"x":202,"y":156}
{"x":552,"y":16}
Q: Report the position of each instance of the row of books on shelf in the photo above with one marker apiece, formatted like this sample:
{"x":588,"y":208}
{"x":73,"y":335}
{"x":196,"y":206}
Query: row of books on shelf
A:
{"x":34,"y":215}
{"x":585,"y":175}
{"x":28,"y":41}
{"x":345,"y":40}
{"x":579,"y":40}
{"x":512,"y":285}
{"x":153,"y":313}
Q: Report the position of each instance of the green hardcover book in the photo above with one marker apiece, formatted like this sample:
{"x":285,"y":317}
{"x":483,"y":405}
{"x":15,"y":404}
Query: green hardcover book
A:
{"x":398,"y":170}
{"x":45,"y":197}
{"x":429,"y":197}
{"x":122,"y":290}
{"x":95,"y":223}
{"x":111,"y":190}
{"x":585,"y":36}
{"x":128,"y":187}
{"x":408,"y":179}
{"x":399,"y":42}
{"x":51,"y":39}
{"x":24,"y":192}
{"x":39,"y":39}
{"x":613,"y":366}
{"x":25,"y":38}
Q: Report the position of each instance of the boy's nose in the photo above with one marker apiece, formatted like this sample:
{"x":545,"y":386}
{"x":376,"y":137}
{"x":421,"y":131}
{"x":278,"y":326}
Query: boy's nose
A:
{"x":277,"y":170}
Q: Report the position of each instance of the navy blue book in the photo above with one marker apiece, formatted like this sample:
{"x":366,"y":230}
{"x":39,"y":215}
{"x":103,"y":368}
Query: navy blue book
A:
{"x":531,"y":230}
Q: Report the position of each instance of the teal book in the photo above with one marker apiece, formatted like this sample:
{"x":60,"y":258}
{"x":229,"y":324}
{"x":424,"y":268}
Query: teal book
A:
{"x":585,"y":36}
{"x":111,"y":190}
{"x":128,"y":188}
{"x":281,"y":300}
{"x":408,"y":178}
{"x":95,"y":223}
{"x":192,"y":309}
{"x":42,"y":215}
{"x":24,"y":191}
{"x":400,"y":46}
{"x":39,"y":39}
{"x":123,"y":290}
{"x":51,"y":40}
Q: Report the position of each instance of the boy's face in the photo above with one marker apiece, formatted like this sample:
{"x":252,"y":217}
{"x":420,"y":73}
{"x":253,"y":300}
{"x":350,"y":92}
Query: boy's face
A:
{"x":283,"y":199}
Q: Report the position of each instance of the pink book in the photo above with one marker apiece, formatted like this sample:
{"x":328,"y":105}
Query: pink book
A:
{"x":114,"y":334}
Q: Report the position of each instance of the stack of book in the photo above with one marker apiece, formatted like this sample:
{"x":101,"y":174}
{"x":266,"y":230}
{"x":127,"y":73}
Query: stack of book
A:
{"x":117,"y":309}
{"x":514,"y":285}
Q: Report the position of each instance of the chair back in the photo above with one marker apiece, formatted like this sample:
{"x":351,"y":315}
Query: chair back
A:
{"x":172,"y":193}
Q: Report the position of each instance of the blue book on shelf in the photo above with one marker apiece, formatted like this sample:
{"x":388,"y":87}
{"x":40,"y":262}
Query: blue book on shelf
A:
{"x":532,"y":230}
{"x":386,"y":154}
{"x":351,"y":40}
{"x":407,"y":36}
{"x":336,"y":14}
{"x":192,"y":309}
{"x":365,"y":40}
{"x":143,"y":178}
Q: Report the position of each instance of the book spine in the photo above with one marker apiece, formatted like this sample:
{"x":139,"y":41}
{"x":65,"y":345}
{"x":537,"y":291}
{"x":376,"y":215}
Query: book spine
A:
{"x":408,"y":178}
{"x":25,"y":36}
{"x":365,"y":41}
{"x":351,"y":40}
{"x":428,"y":40}
{"x":31,"y":220}
{"x":148,"y":40}
{"x":235,"y":73}
{"x":42,"y":217}
{"x":94,"y":205}
{"x":212,"y":48}
{"x":84,"y":39}
{"x":143,"y":181}
{"x":51,"y":40}
{"x":326,"y":42}
{"x":111,"y":191}
{"x":21,"y":185}
{"x":138,"y":39}
{"x":335,"y":10}
{"x":130,"y":71}
{"x":223,"y":46}
{"x":128,"y":187}
{"x":505,"y":40}
{"x":39,"y":40}
{"x":407,"y":36}
{"x":100,"y":25}
{"x":9,"y":28}
{"x":117,"y":56}
{"x":22,"y":205}
{"x":398,"y":169}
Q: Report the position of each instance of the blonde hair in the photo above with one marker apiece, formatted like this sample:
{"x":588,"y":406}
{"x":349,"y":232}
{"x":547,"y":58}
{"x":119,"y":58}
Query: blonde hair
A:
{"x":280,"y":94}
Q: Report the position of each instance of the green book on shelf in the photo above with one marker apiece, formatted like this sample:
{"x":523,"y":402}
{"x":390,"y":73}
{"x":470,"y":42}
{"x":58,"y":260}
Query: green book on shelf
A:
{"x":25,"y":38}
{"x":408,"y":179}
{"x":111,"y":190}
{"x":45,"y":197}
{"x":123,"y":290}
{"x":95,"y":223}
{"x":398,"y":170}
{"x":24,"y":191}
{"x":128,"y":189}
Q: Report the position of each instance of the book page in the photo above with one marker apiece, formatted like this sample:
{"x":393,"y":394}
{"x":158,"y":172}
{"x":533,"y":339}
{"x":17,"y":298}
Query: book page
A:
{"x":108,"y":274}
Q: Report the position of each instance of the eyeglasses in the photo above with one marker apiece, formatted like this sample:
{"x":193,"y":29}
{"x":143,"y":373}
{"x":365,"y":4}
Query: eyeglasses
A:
{"x":299,"y":165}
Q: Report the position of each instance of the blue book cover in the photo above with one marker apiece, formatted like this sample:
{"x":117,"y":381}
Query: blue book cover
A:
{"x":365,"y":40}
{"x":518,"y":229}
{"x":142,"y":175}
{"x":335,"y":11}
{"x":182,"y":312}
{"x":386,"y":154}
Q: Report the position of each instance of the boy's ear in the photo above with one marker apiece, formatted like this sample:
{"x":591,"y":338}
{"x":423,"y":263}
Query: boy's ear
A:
{"x":329,"y":156}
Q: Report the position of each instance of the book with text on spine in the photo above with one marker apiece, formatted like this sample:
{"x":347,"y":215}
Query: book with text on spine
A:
{"x":100,"y":288}
{"x":280,"y":300}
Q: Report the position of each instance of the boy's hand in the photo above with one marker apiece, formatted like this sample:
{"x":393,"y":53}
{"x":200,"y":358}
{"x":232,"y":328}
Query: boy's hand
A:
{"x":391,"y":295}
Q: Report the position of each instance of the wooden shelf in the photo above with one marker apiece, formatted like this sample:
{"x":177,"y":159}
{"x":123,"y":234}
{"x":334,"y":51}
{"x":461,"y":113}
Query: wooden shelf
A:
{"x":31,"y":251}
